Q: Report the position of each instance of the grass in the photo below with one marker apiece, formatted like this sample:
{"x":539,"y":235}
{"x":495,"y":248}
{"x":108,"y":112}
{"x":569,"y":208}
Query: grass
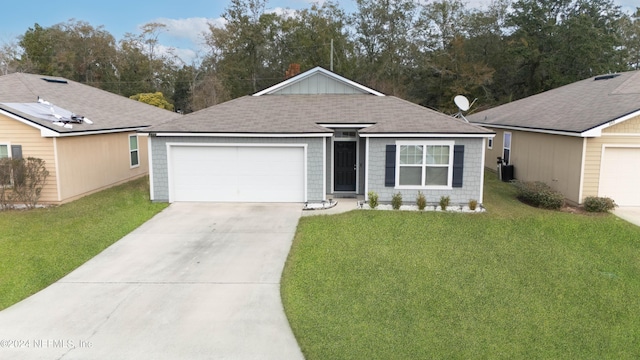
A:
{"x":40,"y":246}
{"x":515,"y":282}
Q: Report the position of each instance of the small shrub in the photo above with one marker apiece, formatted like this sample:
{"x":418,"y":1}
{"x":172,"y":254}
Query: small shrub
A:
{"x":599,"y":204}
{"x":396,"y":201}
{"x":421,"y":201}
{"x":444,"y":202}
{"x":373,"y":199}
{"x":473,"y":204}
{"x":539,"y":194}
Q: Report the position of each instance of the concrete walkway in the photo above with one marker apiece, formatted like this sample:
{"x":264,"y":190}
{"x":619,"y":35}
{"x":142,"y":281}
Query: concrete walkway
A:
{"x":198,"y":281}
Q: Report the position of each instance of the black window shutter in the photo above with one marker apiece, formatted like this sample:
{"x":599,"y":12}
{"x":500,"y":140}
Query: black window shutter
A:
{"x":16,"y":151}
{"x":458,"y":165}
{"x":390,"y":167}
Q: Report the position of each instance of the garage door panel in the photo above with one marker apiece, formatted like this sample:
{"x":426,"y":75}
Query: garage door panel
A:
{"x":237,"y":173}
{"x":620,"y":175}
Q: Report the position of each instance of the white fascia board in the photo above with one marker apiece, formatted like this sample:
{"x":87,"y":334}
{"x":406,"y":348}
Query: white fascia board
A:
{"x":251,"y":135}
{"x":427,"y":135}
{"x":98,"y":132}
{"x":516,"y":128}
{"x":346,"y":126}
{"x":597,"y":131}
{"x":305,"y":74}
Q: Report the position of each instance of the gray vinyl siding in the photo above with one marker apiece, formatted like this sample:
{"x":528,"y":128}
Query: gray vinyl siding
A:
{"x":472,"y":180}
{"x":318,"y":84}
{"x":315,"y":176}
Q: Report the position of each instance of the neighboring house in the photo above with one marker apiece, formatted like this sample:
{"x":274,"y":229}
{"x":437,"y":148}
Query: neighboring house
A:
{"x":99,"y":147}
{"x":583,"y":139}
{"x":312,"y":137}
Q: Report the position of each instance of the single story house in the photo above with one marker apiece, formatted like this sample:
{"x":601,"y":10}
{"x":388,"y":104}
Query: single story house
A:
{"x":313,"y":137}
{"x":87,"y":137}
{"x":582,"y":139}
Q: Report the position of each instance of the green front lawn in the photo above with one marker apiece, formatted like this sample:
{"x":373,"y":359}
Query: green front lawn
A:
{"x":515,"y":282}
{"x":40,"y":246}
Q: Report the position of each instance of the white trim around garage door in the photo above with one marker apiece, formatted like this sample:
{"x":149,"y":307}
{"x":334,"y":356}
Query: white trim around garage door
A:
{"x":602,"y":167}
{"x":170,"y":145}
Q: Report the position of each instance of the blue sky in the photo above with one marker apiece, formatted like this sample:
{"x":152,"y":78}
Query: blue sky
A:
{"x":185,"y":20}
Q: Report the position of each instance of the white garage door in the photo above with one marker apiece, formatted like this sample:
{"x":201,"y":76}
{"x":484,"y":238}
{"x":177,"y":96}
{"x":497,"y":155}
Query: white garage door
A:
{"x":620,"y":175}
{"x":236,"y":173}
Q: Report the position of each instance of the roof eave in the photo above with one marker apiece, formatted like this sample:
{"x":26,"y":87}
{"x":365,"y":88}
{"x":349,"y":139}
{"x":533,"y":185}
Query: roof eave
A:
{"x":308,"y":73}
{"x":428,"y":135}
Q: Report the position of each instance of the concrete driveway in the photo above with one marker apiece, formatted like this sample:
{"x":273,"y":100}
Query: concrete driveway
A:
{"x":629,"y":213}
{"x":198,"y":281}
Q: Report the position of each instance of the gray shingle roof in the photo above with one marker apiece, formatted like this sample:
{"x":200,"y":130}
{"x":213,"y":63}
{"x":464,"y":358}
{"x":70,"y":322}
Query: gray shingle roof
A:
{"x":576,"y":107}
{"x":107,"y":111}
{"x":302,"y":114}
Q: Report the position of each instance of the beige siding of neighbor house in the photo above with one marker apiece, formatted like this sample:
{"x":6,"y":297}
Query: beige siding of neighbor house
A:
{"x":13,"y":132}
{"x":553,"y":159}
{"x":625,"y":133}
{"x":94,"y":162}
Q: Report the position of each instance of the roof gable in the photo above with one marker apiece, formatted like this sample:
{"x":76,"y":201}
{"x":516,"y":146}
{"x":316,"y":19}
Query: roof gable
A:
{"x":318,"y":81}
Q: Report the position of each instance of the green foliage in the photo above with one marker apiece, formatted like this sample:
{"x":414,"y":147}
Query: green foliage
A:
{"x":396,"y":201}
{"x":41,"y":246}
{"x":155,"y":99}
{"x":539,"y":194}
{"x":473,"y":204}
{"x":444,"y":202}
{"x":421,"y":201}
{"x":21,"y":181}
{"x":599,"y":204}
{"x":373,"y":199}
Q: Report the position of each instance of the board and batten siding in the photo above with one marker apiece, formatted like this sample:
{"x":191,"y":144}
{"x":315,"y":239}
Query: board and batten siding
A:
{"x":13,"y":132}
{"x":318,"y":84}
{"x":91,"y":163}
{"x":625,"y":133}
{"x":315,"y":160}
{"x":472,"y":178}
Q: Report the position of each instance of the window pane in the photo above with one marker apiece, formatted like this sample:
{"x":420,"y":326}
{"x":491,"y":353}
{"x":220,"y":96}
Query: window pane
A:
{"x":438,"y":155}
{"x":411,"y":154}
{"x":4,"y":151}
{"x":410,"y":175}
{"x":133,"y":142}
{"x":507,"y":140}
{"x":134,"y":158}
{"x":437,"y":175}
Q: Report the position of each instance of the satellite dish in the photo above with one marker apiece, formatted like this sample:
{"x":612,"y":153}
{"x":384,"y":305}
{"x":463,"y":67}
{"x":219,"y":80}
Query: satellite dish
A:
{"x":462,"y":102}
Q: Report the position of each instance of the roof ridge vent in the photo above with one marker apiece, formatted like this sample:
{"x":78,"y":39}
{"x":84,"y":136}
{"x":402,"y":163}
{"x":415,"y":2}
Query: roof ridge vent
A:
{"x":58,"y":81}
{"x":606,"y":77}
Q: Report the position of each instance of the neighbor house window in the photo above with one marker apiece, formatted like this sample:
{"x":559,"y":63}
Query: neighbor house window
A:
{"x":5,"y":168}
{"x":424,"y":164}
{"x":506,"y":152}
{"x":133,"y":151}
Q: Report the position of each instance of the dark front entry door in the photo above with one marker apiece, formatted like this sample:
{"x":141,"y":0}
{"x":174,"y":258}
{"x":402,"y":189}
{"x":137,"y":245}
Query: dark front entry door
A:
{"x":344,"y":166}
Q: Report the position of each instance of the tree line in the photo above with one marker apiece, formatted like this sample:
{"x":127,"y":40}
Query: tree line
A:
{"x":425,"y":52}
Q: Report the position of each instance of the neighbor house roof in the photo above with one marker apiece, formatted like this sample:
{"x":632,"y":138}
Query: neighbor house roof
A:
{"x":108,"y":112}
{"x":576,"y":108}
{"x":288,"y":114}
